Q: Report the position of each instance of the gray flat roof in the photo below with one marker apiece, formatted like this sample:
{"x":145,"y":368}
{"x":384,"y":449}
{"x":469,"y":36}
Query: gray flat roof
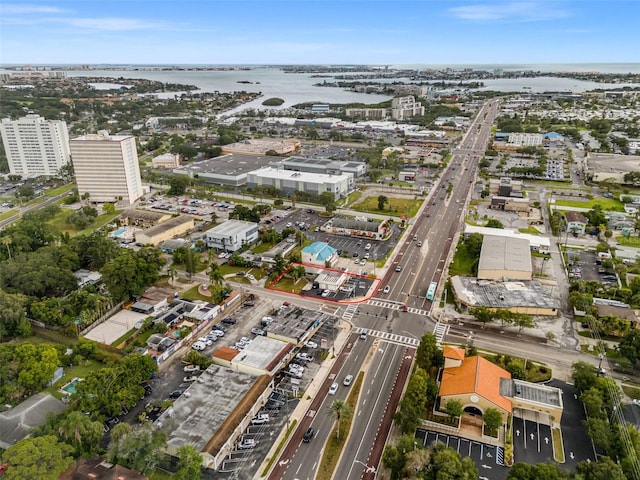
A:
{"x":474,"y":292}
{"x":294,"y":322}
{"x":531,"y":392}
{"x":613,"y":162}
{"x":168,"y":225}
{"x":230,"y":165}
{"x":231,"y":227}
{"x":262,"y":352}
{"x":505,"y":253}
{"x":196,"y":419}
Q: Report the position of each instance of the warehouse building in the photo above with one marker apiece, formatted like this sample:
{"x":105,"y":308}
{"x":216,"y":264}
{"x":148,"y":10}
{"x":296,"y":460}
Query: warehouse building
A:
{"x":230,"y":169}
{"x":166,"y":230}
{"x":289,"y":182}
{"x":324,"y":166}
{"x":232,"y":235}
{"x":504,"y":257}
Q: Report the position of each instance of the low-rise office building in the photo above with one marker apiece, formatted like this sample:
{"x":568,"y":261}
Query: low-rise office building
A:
{"x":288,"y":182}
{"x":504,"y":257}
{"x":230,"y":169}
{"x":505,"y":187}
{"x":375,"y":230}
{"x":537,"y":243}
{"x":260,"y":146}
{"x":166,"y":230}
{"x":166,"y":160}
{"x":232,"y":235}
{"x":509,"y":204}
{"x":324,"y":166}
{"x":319,"y":253}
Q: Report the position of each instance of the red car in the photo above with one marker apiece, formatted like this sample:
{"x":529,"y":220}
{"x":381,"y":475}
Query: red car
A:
{"x":405,"y":308}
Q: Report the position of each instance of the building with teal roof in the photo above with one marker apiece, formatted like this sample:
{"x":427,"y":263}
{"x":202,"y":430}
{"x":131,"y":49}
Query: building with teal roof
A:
{"x":318,"y":253}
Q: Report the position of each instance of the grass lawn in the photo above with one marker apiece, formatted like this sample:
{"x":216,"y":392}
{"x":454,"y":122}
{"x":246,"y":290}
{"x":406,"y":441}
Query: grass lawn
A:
{"x":8,"y":214}
{"x":352,"y":198}
{"x":228,"y":270}
{"x":124,"y":337}
{"x":462,"y":262}
{"x":558,"y":448}
{"x":262,"y":248}
{"x":287,"y":285}
{"x":80,"y":371}
{"x":605,"y":203}
{"x":531,"y":230}
{"x":396,"y":207}
{"x":193,"y":294}
{"x":52,"y":192}
{"x":628,"y":241}
{"x":59,"y":222}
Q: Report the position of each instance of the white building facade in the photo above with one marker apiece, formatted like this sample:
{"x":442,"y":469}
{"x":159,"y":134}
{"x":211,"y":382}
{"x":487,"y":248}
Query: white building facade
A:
{"x":289,"y":181}
{"x":35,"y":146}
{"x":106,"y":167}
{"x":403,"y":108}
{"x":232,"y":235}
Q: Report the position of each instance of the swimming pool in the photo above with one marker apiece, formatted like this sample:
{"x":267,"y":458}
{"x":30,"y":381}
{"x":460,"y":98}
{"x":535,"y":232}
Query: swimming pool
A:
{"x":119,"y":232}
{"x":70,"y":387}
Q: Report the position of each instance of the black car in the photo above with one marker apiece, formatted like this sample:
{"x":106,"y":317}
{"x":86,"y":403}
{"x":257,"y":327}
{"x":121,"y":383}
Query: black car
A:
{"x":355,"y":254}
{"x":272,"y":405}
{"x":308,"y":435}
{"x":176,"y":393}
{"x":229,"y":320}
{"x":311,"y":211}
{"x":219,"y":327}
{"x":249,"y":304}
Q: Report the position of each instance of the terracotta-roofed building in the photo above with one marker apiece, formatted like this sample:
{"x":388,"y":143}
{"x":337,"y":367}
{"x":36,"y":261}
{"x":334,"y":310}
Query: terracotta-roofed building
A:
{"x":475,"y":383}
{"x":224,"y":355}
{"x":453,"y":356}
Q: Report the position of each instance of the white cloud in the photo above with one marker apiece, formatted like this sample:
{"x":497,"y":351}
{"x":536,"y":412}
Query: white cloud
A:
{"x":17,"y":9}
{"x":111,"y":24}
{"x":512,"y":12}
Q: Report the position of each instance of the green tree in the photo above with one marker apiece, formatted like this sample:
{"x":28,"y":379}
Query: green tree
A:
{"x":37,"y":458}
{"x":13,"y":321}
{"x":215,"y":274}
{"x":394,"y":460}
{"x":492,"y":421}
{"x":131,"y":272}
{"x":413,"y":405}
{"x":473,"y":244}
{"x":584,"y":375}
{"x":604,"y":469}
{"x":446,"y":463}
{"x":600,"y":432}
{"x":280,"y":264}
{"x":340,"y":411}
{"x":140,"y":449}
{"x":522,"y":321}
{"x":189,"y":463}
{"x":453,"y":408}
{"x":428,"y":353}
{"x":493,"y":223}
{"x":297,"y":273}
{"x":81,"y":432}
{"x":629,"y":346}
{"x":178,"y":185}
{"x":382,"y":200}
{"x":328,"y":200}
{"x":482,"y":314}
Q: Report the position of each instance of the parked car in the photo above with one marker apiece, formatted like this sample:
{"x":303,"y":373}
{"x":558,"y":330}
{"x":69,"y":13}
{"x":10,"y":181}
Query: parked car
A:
{"x":249,"y":304}
{"x":326,"y":293}
{"x":199,"y":346}
{"x":257,"y":331}
{"x":347,"y":380}
{"x":419,"y":244}
{"x":176,"y":393}
{"x":220,"y":328}
{"x":189,"y":379}
{"x":229,"y":320}
{"x":293,"y":373}
{"x":247,"y":443}
{"x":308,"y":435}
{"x":303,"y":357}
{"x":367,"y":246}
{"x":191,"y":368}
{"x":333,"y":389}
{"x":260,"y":419}
{"x":310,"y":344}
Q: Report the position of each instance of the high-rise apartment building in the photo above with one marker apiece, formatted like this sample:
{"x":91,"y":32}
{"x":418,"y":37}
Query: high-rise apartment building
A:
{"x":106,"y":167}
{"x":35,"y":146}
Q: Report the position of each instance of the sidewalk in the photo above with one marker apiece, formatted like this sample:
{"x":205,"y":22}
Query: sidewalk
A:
{"x":308,"y":395}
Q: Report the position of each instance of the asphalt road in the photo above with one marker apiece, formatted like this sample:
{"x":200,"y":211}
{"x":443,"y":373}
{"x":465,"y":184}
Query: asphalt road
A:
{"x":23,"y":210}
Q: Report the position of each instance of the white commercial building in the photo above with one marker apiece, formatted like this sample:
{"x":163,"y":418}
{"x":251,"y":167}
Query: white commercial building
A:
{"x":106,"y":167}
{"x":288,"y":181}
{"x":526,"y":139}
{"x":403,"y":108}
{"x":35,"y":146}
{"x":232,"y":235}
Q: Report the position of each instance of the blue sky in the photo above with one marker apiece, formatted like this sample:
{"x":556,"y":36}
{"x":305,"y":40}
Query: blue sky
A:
{"x":318,"y":31}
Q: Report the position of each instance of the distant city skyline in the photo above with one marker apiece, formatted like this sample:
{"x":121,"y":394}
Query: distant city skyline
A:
{"x":318,"y":32}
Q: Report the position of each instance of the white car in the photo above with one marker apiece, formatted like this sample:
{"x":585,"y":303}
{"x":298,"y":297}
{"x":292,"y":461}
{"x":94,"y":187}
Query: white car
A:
{"x":199,"y":346}
{"x":387,"y":289}
{"x":247,"y":443}
{"x":260,"y":419}
{"x":310,"y":344}
{"x":189,"y":379}
{"x":289,"y":224}
{"x":363,"y":262}
{"x":333,"y":389}
{"x":347,"y":380}
{"x":636,"y":401}
{"x":367,"y":246}
{"x":191,"y":368}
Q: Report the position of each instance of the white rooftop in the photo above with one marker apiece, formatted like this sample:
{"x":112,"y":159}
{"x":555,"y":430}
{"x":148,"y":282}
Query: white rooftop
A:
{"x":231,"y":227}
{"x":270,"y":172}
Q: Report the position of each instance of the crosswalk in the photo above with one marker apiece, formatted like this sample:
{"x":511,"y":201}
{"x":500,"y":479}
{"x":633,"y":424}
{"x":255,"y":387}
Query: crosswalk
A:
{"x":395,"y":306}
{"x":349,"y":312}
{"x":439,"y":331}
{"x":389,"y":337}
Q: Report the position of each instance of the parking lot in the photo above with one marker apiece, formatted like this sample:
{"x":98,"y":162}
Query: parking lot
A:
{"x":349,"y":245}
{"x":489,"y":459}
{"x":583,"y":265}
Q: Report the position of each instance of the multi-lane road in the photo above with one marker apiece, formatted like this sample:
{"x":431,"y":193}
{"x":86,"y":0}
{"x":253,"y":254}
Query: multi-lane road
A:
{"x":394,"y":332}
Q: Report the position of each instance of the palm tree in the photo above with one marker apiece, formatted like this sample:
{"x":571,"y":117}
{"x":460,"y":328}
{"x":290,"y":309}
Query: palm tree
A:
{"x":215,"y":275}
{"x":80,"y":431}
{"x":340,"y":410}
{"x":172,"y":272}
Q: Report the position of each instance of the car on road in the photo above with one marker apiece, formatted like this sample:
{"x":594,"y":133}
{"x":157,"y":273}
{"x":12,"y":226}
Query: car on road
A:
{"x":289,"y":224}
{"x":308,"y":435}
{"x":260,"y":419}
{"x":419,"y":244}
{"x":387,"y":289}
{"x":347,"y":380}
{"x":333,"y":389}
{"x":399,"y":268}
{"x":405,"y":308}
{"x":310,"y":344}
{"x":191,"y":368}
{"x":363,"y":335}
{"x":229,"y":320}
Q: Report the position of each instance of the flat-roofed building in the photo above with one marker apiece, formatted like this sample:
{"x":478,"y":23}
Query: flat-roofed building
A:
{"x":230,"y":169}
{"x":324,"y":166}
{"x":166,"y":160}
{"x":232,"y":235}
{"x":166,"y":230}
{"x":505,"y":187}
{"x":143,"y":218}
{"x":525,"y":139}
{"x":611,"y":167}
{"x":537,"y":243}
{"x":288,"y":182}
{"x":404,"y":108}
{"x":262,"y":356}
{"x":504,"y":257}
{"x":260,"y":146}
{"x":528,"y":297}
{"x":509,"y":204}
{"x":331,"y":280}
{"x":35,"y":146}
{"x":106,"y":167}
{"x":375,"y":230}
